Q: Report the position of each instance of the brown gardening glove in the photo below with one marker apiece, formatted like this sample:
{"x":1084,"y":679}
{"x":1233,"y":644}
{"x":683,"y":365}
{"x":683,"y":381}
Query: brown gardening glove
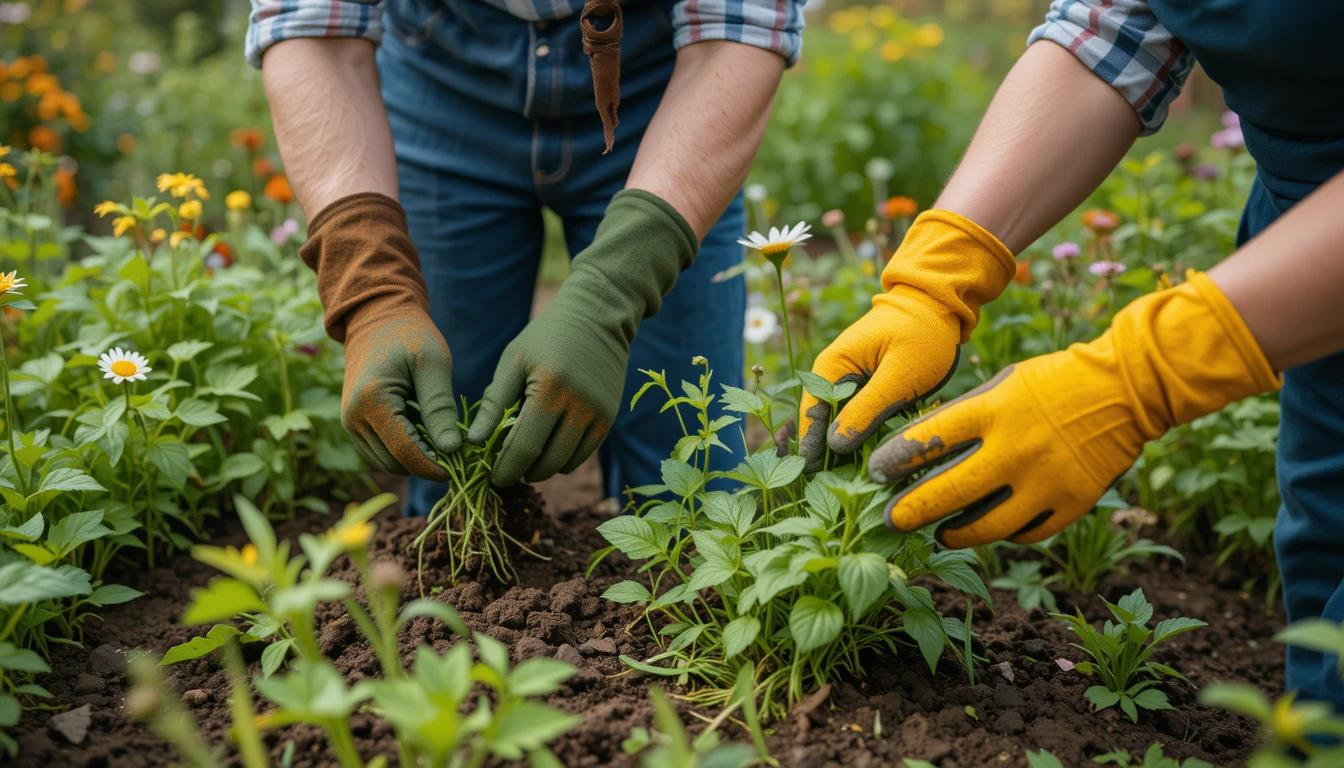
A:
{"x":368,"y":277}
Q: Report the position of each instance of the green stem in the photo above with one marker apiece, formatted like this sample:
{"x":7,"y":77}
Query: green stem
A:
{"x":784,"y":315}
{"x":11,"y":420}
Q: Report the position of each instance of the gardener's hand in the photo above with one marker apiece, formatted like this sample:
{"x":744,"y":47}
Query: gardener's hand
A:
{"x":368,"y":276}
{"x":906,"y":347}
{"x":1032,"y":450}
{"x":568,"y":364}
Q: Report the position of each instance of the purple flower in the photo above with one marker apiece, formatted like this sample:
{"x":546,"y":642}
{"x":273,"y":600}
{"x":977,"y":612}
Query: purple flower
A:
{"x":1204,"y":171}
{"x":285,"y":231}
{"x":1228,"y":138}
{"x":1066,"y":250}
{"x":1231,"y":120}
{"x":1106,"y":268}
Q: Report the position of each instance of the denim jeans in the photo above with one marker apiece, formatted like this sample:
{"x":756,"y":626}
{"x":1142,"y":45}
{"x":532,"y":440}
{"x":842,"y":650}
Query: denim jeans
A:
{"x":494,"y":118}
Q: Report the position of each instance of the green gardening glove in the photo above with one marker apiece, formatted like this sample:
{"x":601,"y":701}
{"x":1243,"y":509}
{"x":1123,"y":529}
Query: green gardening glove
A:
{"x":568,"y":364}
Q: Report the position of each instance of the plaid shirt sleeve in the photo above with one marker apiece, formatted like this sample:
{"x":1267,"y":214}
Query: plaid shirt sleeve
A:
{"x":775,"y":25}
{"x":1123,"y":42}
{"x":275,"y":20}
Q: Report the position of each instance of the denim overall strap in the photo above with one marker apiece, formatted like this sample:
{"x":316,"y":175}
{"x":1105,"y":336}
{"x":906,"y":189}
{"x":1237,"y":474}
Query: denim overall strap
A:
{"x":1282,"y":72}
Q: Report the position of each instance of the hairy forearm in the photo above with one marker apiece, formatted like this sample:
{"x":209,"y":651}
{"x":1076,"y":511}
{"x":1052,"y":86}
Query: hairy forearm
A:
{"x":329,"y":119}
{"x":1287,"y":283}
{"x":1050,"y":136}
{"x":700,"y":144}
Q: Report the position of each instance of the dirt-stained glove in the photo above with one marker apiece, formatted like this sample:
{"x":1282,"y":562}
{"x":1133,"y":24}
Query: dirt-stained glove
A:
{"x":568,"y":364}
{"x":376,"y":303}
{"x":906,"y":347}
{"x":1032,"y":450}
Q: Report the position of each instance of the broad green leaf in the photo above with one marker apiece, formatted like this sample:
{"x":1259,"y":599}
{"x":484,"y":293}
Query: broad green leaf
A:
{"x":221,"y":599}
{"x":814,"y":622}
{"x":29,"y":531}
{"x":1042,"y":759}
{"x":637,"y":538}
{"x":69,"y":479}
{"x":864,"y":579}
{"x":16,"y":659}
{"x":539,"y":676}
{"x":740,"y":400}
{"x":305,"y":597}
{"x":1151,"y":698}
{"x":739,"y":634}
{"x":1101,"y":697}
{"x":923,"y":626}
{"x":75,"y":529}
{"x":1312,"y":634}
{"x":200,"y":646}
{"x":38,"y":553}
{"x":627,"y":592}
{"x":170,"y":456}
{"x":25,"y":582}
{"x":240,"y":466}
{"x":959,"y":574}
{"x":113,"y":594}
{"x":1240,"y":698}
{"x":273,"y":657}
{"x":766,"y":470}
{"x":1169,"y":627}
{"x":680,"y":477}
{"x":183,"y":351}
{"x":685,"y":638}
{"x":526,"y":727}
{"x":199,"y":413}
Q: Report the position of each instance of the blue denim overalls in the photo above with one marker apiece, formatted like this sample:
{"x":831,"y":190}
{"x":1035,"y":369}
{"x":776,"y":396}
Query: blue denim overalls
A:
{"x":493,"y":118}
{"x":1281,"y":67}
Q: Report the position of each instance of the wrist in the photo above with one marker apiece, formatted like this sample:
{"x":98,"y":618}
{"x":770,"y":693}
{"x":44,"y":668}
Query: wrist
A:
{"x":953,"y":261}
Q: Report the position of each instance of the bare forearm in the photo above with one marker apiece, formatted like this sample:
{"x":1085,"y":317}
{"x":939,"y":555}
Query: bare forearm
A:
{"x":1288,"y":282}
{"x":1052,"y":133}
{"x":699,"y":146}
{"x":329,"y":119}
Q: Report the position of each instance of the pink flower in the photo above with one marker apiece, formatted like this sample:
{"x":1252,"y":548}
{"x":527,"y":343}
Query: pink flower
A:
{"x":833,"y":218}
{"x":1204,"y":171}
{"x":285,"y":231}
{"x":1066,"y":250}
{"x":1106,"y":268}
{"x":1228,"y":138}
{"x":1231,"y":119}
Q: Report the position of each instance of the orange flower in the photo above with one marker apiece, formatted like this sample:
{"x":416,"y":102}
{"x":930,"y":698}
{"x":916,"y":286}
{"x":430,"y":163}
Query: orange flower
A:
{"x":278,"y":190}
{"x":125,"y":143}
{"x":40,"y":83}
{"x":11,"y":91}
{"x":900,"y":207}
{"x":20,"y":68}
{"x":263,"y":167}
{"x":250,"y":139}
{"x":223,"y":249}
{"x":197,"y":232}
{"x":38,"y":62}
{"x":65,"y":187}
{"x":1100,"y":221}
{"x":44,"y":138}
{"x":1023,"y":276}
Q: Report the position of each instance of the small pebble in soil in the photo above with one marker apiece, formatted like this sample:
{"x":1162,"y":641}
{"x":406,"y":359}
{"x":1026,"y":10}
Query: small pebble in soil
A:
{"x":196,"y":697}
{"x":603,"y":645}
{"x":107,"y":662}
{"x":1035,"y":648}
{"x":1006,"y":696}
{"x":74,"y":724}
{"x":1010,"y":722}
{"x":530,"y":648}
{"x":568,"y":653}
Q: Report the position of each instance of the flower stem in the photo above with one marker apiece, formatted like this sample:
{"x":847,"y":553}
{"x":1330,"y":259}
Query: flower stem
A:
{"x":11,"y":420}
{"x":784,"y":316}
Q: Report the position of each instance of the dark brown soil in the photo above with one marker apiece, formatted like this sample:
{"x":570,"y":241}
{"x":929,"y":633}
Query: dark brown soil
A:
{"x":1022,"y":700}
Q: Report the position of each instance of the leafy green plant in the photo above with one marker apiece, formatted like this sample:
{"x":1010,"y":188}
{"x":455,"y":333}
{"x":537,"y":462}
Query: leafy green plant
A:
{"x":471,"y":513}
{"x":1033,"y":589}
{"x":670,"y":746}
{"x":1085,"y":552}
{"x":1120,"y":654}
{"x":1153,"y":757}
{"x":276,"y":595}
{"x":795,"y":576}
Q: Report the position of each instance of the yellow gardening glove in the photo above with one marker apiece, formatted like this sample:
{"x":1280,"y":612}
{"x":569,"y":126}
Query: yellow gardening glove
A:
{"x":1033,"y":449}
{"x":906,"y":347}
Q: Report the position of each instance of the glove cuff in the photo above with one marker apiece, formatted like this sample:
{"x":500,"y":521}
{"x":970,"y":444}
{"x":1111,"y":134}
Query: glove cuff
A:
{"x":1185,"y":352}
{"x":953,"y":261}
{"x":366,"y":264}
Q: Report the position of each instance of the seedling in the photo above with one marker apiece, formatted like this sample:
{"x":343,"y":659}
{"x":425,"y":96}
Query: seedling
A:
{"x":1085,"y":552}
{"x":1120,"y":654}
{"x":1033,"y":589}
{"x":1153,"y":757}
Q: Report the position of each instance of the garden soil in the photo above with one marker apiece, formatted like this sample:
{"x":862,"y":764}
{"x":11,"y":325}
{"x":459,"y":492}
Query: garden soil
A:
{"x":1023,"y":699}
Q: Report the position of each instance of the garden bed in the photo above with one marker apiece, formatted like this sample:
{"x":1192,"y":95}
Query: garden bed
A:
{"x":556,"y":612}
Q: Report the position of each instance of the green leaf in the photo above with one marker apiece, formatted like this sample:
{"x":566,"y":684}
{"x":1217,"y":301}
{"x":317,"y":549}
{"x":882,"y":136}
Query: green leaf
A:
{"x":766,"y":470}
{"x":627,"y":592}
{"x":75,"y":529}
{"x":1151,"y":698}
{"x":69,"y":479}
{"x":29,"y":531}
{"x":1101,"y":697}
{"x":863,"y":578}
{"x":240,"y":466}
{"x":635,"y":537}
{"x":1127,"y":705}
{"x":949,"y":567}
{"x":200,"y":646}
{"x":822,"y":389}
{"x":814,"y":622}
{"x":1240,"y":698}
{"x":24,"y":582}
{"x":739,"y":634}
{"x":38,"y":553}
{"x":435,"y":609}
{"x":10,"y":712}
{"x":170,"y":456}
{"x":526,"y":727}
{"x":680,"y":477}
{"x":711,"y":573}
{"x":741,"y":401}
{"x":1043,"y":759}
{"x":539,"y":676}
{"x":1313,"y":634}
{"x":183,"y":351}
{"x":923,"y":626}
{"x":222,"y":599}
{"x":650,"y":668}
{"x":274,"y":656}
{"x":16,"y":659}
{"x":199,"y":413}
{"x":135,"y":270}
{"x":114,"y":594}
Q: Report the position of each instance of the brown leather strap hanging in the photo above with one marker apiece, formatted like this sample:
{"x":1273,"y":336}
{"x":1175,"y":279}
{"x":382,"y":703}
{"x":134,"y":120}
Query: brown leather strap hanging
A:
{"x":603,"y":47}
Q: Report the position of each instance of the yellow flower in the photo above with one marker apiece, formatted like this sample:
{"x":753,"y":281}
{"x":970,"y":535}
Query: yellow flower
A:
{"x":106,"y":207}
{"x":182,"y":185}
{"x":177,"y":238}
{"x":868,"y":268}
{"x":7,"y":171}
{"x":191,"y":209}
{"x":777,"y":243}
{"x":238,"y":200}
{"x":353,"y":536}
{"x":121,"y":365}
{"x":157,"y":236}
{"x":841,"y":22}
{"x":1287,"y":722}
{"x":11,"y":282}
{"x":122,"y":224}
{"x":4,"y":150}
{"x":249,"y":554}
{"x":929,"y":36}
{"x":893,"y":51}
{"x":883,"y":16}
{"x":863,"y":39}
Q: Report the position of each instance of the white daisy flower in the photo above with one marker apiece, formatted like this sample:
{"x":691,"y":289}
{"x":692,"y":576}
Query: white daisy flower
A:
{"x":779,"y":241}
{"x":123,"y":365}
{"x":11,"y":283}
{"x":761,"y":325}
